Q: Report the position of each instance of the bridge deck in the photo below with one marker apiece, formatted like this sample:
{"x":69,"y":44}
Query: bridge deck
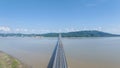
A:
{"x":58,"y":59}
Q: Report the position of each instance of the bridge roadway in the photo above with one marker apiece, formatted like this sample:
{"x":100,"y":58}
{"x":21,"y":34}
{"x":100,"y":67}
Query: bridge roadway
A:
{"x":58,"y":58}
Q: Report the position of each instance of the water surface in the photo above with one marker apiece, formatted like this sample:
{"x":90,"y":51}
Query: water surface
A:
{"x":80,"y":52}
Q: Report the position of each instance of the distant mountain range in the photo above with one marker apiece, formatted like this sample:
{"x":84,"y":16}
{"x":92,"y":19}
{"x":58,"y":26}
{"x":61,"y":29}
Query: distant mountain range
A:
{"x":92,"y":33}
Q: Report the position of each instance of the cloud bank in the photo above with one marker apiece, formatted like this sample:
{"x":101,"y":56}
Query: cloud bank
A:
{"x":4,"y":29}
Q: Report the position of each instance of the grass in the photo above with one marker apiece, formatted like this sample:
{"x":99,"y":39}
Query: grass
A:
{"x":14,"y":64}
{"x":7,"y":61}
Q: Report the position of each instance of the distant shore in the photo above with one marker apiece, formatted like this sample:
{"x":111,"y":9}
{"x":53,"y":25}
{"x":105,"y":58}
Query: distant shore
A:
{"x":89,"y":33}
{"x":7,"y":61}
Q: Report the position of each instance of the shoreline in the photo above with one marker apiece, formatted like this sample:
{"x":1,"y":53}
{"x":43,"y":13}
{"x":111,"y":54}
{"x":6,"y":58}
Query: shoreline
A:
{"x":7,"y":61}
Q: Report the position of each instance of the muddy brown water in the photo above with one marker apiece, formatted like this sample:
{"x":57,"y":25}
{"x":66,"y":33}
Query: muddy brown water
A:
{"x":80,"y":52}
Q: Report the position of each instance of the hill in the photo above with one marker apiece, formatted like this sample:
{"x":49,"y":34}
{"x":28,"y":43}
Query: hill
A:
{"x":82,"y":34}
{"x":92,"y":33}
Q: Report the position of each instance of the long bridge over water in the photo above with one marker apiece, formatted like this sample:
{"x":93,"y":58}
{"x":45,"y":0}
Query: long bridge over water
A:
{"x":58,"y":58}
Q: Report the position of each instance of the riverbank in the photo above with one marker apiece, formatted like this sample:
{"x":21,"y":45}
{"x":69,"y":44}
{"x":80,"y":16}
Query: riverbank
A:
{"x":7,"y":61}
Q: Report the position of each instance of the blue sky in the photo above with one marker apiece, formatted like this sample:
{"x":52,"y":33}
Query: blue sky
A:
{"x":42,"y":16}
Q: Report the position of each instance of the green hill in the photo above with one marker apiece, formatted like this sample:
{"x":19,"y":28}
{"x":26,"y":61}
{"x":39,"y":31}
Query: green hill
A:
{"x":81,"y":34}
{"x":92,"y":33}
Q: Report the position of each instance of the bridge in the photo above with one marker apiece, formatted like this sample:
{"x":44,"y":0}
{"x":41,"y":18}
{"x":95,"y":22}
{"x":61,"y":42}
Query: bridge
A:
{"x":58,"y":59}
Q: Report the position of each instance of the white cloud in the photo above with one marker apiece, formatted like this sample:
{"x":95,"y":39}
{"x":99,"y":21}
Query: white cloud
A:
{"x":71,"y":29}
{"x":112,"y":30}
{"x":21,"y":30}
{"x":25,"y":30}
{"x":5,"y":29}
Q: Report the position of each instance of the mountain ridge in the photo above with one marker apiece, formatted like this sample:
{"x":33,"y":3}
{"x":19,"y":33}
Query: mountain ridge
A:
{"x":88,"y":33}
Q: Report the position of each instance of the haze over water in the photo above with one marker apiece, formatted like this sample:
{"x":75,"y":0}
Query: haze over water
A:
{"x":80,"y":52}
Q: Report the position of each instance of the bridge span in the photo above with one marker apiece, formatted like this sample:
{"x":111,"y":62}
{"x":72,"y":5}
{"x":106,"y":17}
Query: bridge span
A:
{"x":58,"y":58}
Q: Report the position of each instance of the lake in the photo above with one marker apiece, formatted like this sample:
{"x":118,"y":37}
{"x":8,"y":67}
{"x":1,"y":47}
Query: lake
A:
{"x":94,"y":52}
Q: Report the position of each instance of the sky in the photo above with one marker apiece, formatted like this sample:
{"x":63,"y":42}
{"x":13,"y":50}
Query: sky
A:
{"x":44,"y":16}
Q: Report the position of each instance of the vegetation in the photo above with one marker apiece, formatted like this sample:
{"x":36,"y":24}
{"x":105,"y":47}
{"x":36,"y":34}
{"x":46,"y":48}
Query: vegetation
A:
{"x":69,"y":34}
{"x":82,"y":34}
{"x":7,"y":61}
